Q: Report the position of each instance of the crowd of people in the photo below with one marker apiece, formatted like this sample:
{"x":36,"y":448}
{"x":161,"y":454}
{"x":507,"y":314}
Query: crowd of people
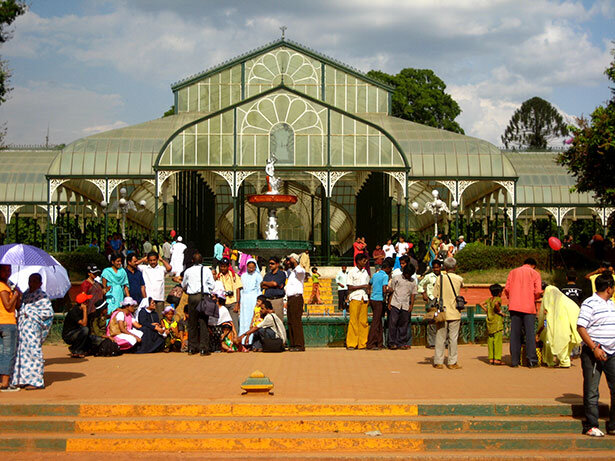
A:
{"x":237,"y":306}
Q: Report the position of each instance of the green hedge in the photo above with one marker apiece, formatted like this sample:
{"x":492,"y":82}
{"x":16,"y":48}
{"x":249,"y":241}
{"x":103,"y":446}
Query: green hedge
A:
{"x":76,"y":262}
{"x":477,"y":256}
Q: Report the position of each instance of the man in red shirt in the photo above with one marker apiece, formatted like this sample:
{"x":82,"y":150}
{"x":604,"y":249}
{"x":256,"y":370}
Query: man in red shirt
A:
{"x":378,"y":254}
{"x":523,"y":288}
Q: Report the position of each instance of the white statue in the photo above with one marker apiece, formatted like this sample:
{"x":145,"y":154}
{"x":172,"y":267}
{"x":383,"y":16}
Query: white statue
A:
{"x":273,"y":183}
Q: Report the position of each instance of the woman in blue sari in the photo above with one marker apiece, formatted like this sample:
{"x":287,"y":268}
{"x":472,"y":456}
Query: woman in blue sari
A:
{"x":115,"y":283}
{"x":251,"y":281}
{"x":33,"y":325}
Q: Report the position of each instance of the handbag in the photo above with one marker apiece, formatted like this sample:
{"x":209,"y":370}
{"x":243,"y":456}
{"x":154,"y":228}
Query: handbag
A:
{"x":175,"y":295}
{"x":114,"y":326}
{"x":206,"y":305}
{"x":460,"y":301}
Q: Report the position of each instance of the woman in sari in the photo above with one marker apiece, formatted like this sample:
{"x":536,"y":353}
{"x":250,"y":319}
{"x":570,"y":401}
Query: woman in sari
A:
{"x":115,"y":283}
{"x":558,"y":327}
{"x":251,"y":281}
{"x":122,"y":326}
{"x":34,"y":322}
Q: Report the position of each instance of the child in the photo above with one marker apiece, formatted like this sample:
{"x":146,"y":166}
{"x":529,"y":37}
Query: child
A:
{"x":172,"y":340}
{"x":228,"y":335}
{"x":256,"y":319}
{"x":315,"y":297}
{"x":495,"y":324}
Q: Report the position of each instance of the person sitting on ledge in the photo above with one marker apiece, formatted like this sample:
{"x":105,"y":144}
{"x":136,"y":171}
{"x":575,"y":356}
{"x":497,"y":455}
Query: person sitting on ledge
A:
{"x":122,"y":327}
{"x":269,"y":335}
{"x":152,"y":339}
{"x":75,"y":331}
{"x":173,"y":338}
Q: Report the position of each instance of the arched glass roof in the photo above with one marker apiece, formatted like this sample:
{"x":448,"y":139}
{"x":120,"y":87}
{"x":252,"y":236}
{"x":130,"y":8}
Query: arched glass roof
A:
{"x":543,"y":181}
{"x":124,"y":152}
{"x":22,"y":176}
{"x":432,"y":152}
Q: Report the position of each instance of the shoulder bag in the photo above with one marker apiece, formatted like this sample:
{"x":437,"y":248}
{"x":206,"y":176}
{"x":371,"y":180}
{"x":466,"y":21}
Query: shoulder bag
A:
{"x":460,"y":301}
{"x":206,"y":305}
{"x":273,"y":344}
{"x":114,"y":327}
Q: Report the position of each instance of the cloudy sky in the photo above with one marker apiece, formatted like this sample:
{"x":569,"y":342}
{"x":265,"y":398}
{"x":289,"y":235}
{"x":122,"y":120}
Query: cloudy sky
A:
{"x":85,"y":66}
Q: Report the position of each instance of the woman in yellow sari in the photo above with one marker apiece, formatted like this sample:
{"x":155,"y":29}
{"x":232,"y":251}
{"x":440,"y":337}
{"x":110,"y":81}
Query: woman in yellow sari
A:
{"x":559,"y":335}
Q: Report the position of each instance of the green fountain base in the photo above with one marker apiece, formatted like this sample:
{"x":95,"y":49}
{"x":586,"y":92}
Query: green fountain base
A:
{"x":268,"y":248}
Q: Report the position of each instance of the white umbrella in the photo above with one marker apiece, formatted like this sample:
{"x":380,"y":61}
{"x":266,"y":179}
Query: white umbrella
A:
{"x":55,"y":278}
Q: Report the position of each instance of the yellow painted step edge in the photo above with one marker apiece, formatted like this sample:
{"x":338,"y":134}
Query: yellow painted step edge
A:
{"x":249,"y":410}
{"x":247,"y":427}
{"x":302,"y":444}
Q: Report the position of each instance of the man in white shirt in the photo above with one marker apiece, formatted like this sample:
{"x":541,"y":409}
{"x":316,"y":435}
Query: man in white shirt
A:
{"x":462,"y":243}
{"x":153,"y":276}
{"x":197,"y":279}
{"x":270,"y":327}
{"x":177,"y":256}
{"x":358,"y":296}
{"x":295,"y":276}
{"x":389,"y":249}
{"x":342,"y":289}
{"x":401,"y":247}
{"x":596,"y":326}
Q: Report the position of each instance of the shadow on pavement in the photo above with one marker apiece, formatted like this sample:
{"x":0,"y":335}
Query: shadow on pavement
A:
{"x":63,"y":360}
{"x":56,"y":376}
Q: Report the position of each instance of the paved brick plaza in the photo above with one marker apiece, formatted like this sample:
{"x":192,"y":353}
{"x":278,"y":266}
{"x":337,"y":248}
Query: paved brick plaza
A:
{"x":315,"y":376}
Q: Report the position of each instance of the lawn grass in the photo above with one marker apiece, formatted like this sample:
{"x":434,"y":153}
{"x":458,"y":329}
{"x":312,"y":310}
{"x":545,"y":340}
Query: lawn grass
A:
{"x":490,"y":276}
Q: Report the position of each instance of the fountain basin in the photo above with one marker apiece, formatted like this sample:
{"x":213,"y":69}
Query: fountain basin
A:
{"x":272,"y":201}
{"x":268,"y":248}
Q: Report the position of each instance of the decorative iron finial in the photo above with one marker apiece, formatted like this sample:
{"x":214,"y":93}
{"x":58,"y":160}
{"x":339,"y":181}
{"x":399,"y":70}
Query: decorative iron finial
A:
{"x":283,"y":29}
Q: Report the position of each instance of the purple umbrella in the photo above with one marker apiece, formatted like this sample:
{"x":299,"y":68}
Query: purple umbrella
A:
{"x":17,"y":254}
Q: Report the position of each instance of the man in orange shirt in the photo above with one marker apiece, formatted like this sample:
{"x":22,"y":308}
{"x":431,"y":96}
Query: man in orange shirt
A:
{"x":523,"y":288}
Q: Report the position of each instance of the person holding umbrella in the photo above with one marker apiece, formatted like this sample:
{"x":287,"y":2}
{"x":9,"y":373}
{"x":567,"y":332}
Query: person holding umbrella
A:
{"x":9,"y":300}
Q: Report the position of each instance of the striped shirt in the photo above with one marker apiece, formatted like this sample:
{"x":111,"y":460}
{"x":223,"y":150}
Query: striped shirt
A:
{"x":597,"y":316}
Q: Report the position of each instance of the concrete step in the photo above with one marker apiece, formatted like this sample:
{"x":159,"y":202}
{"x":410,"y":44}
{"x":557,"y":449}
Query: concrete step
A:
{"x":290,"y":425}
{"x":272,"y":442}
{"x":293,"y":410}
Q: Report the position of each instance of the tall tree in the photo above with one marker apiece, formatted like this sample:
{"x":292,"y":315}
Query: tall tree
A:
{"x":591,"y":155}
{"x":533,"y":125}
{"x":420,"y":97}
{"x":9,"y":11}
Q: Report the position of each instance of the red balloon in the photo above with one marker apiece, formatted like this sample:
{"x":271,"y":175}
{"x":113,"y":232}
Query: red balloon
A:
{"x":173,"y":233}
{"x":555,"y":243}
{"x":410,"y":245}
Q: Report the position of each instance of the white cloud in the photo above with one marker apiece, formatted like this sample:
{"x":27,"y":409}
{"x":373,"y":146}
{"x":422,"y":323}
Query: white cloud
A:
{"x":100,"y":128}
{"x":70,"y":112}
{"x":493,"y":54}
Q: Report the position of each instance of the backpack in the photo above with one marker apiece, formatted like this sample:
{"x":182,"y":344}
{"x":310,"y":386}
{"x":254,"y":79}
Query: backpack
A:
{"x":108,"y":348}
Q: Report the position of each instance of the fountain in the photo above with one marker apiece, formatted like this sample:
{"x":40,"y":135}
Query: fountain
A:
{"x":272,"y":200}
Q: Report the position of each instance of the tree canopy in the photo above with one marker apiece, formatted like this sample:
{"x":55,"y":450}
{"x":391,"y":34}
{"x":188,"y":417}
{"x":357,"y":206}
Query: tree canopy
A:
{"x":420,"y":97}
{"x":9,"y":11}
{"x":591,"y":155}
{"x":533,"y":125}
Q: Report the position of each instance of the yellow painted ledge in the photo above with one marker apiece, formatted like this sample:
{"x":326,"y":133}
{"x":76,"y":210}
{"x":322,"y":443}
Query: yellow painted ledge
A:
{"x":293,"y":426}
{"x":247,"y":410}
{"x":302,"y":444}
